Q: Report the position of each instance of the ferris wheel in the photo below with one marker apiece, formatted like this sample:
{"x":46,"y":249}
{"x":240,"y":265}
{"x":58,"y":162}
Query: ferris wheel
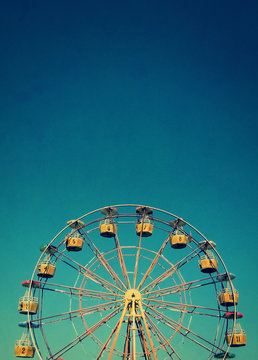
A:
{"x":129,"y":282}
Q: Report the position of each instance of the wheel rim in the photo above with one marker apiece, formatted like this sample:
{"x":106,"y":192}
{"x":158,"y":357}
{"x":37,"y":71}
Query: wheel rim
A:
{"x":155,"y":308}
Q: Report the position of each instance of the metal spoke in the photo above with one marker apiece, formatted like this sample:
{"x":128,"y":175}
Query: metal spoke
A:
{"x":80,"y":291}
{"x":127,"y":344}
{"x":181,"y":287}
{"x":170,"y":271}
{"x":86,"y":333}
{"x":155,"y":260}
{"x":75,"y":291}
{"x":163,"y":340}
{"x":118,"y":330}
{"x":102,"y":260}
{"x":107,"y":342}
{"x":78,"y":312}
{"x":138,"y":252}
{"x":122,"y":262}
{"x":177,"y":326}
{"x":143,"y":339}
{"x":180,"y":307}
{"x":147,"y":331}
{"x":90,"y":274}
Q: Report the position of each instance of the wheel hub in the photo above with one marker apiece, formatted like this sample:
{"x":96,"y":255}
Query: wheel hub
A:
{"x":133,"y":295}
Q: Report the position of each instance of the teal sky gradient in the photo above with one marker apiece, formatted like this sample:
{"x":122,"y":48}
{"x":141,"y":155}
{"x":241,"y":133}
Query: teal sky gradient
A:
{"x":128,"y":102}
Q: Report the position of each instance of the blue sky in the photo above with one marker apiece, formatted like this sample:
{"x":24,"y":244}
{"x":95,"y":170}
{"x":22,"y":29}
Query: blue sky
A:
{"x":138,"y":102}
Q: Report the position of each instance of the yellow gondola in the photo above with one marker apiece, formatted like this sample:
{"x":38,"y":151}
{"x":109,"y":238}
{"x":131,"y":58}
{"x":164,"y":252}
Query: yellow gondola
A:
{"x":144,"y":227}
{"x":208,"y":262}
{"x":227,"y":297}
{"x":108,"y":228}
{"x":24,"y":347}
{"x":144,"y":224}
{"x":74,"y":242}
{"x":178,"y":241}
{"x":237,"y":337}
{"x":28,"y":304}
{"x":46,"y":268}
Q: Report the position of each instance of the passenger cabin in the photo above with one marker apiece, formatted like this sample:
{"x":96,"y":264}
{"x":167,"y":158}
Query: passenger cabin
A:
{"x":24,"y":347}
{"x":224,"y":355}
{"x":144,"y":224}
{"x":28,"y":304}
{"x":230,"y":315}
{"x":31,"y":283}
{"x":108,"y":227}
{"x":46,"y":268}
{"x":74,"y":242}
{"x":227,"y":297}
{"x":178,"y":240}
{"x":236,"y":337}
{"x":208,"y":262}
{"x":144,"y":227}
{"x":28,"y":324}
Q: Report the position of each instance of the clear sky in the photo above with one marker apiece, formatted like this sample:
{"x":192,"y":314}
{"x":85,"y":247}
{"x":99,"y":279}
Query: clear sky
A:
{"x":149,"y":102}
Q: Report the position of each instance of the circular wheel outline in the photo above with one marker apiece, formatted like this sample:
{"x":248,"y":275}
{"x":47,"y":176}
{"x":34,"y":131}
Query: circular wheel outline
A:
{"x":211,"y":244}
